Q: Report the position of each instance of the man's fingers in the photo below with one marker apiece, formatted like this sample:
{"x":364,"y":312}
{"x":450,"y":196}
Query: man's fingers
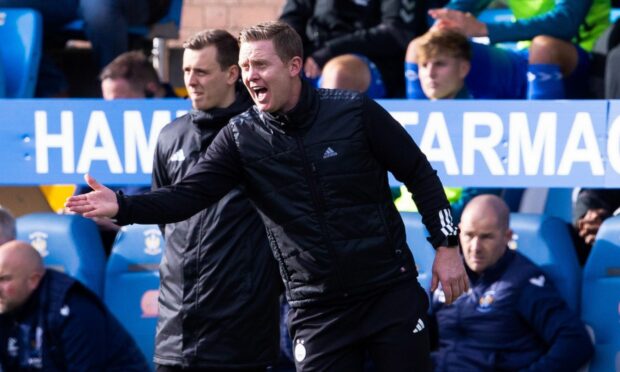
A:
{"x":447,"y":291}
{"x":81,"y":209}
{"x":92,"y":213}
{"x":434,"y":282}
{"x":589,"y":239}
{"x":465,"y":283}
{"x":452,"y":289}
{"x":76,"y":198}
{"x":92,"y":182}
{"x":438,"y":13}
{"x":456,"y":289}
{"x":71,"y":202}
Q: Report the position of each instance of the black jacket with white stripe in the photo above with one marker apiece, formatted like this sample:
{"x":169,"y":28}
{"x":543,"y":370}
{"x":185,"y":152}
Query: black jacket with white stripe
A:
{"x":318,"y":177}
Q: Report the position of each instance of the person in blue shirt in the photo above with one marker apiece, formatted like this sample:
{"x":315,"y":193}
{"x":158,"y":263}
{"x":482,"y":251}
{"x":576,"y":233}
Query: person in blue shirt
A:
{"x":555,"y":63}
{"x":443,"y":57}
{"x":512,"y":318}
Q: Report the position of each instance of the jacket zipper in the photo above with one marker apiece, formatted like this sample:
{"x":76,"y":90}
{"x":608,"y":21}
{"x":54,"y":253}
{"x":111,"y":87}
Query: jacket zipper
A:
{"x":310,"y":170}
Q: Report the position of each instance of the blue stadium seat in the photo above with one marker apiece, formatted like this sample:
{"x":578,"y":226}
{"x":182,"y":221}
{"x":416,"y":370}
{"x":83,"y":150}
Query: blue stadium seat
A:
{"x":132,"y":282}
{"x":67,"y":243}
{"x":2,"y":80}
{"x":560,"y":203}
{"x":546,"y":241}
{"x":21,"y":34}
{"x":556,"y":202}
{"x":165,"y":28}
{"x":600,"y":301}
{"x":423,"y":251}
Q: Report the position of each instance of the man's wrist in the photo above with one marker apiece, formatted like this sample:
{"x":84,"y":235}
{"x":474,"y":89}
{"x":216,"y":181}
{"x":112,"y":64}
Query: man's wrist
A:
{"x":450,"y":241}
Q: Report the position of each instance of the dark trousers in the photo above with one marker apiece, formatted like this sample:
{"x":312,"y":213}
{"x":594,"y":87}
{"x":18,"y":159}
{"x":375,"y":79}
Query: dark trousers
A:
{"x":161,"y":368}
{"x":390,"y":327}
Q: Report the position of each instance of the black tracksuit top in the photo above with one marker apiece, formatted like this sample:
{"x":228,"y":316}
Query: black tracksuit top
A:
{"x":219,"y":292}
{"x":318,"y":177}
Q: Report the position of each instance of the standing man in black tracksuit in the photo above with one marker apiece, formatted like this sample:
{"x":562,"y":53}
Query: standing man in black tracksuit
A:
{"x":357,"y":44}
{"x":314,"y":163}
{"x":218,"y":301}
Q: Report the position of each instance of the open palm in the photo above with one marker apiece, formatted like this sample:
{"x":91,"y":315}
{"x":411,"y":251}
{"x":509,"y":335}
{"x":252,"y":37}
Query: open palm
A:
{"x":101,"y":202}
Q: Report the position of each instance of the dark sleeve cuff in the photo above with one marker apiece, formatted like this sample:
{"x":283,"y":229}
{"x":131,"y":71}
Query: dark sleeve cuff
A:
{"x":122,"y":216}
{"x":450,"y":241}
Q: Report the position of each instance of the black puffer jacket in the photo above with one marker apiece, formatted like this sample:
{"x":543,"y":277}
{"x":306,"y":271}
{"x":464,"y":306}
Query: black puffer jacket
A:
{"x":377,"y":29}
{"x":218,"y":303}
{"x":318,"y":176}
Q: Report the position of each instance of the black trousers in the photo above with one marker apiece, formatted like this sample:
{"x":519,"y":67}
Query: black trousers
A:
{"x":390,"y":327}
{"x":162,"y":368}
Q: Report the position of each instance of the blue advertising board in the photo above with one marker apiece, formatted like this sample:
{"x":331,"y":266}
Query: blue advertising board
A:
{"x":57,"y":141}
{"x":469,"y":143}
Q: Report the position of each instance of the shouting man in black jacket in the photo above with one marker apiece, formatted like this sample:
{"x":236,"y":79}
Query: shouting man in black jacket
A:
{"x":218,"y":302}
{"x":314,"y":164}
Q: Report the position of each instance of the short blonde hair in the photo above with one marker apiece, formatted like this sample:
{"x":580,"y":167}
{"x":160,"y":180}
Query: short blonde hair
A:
{"x":442,"y":42}
{"x":286,"y":40}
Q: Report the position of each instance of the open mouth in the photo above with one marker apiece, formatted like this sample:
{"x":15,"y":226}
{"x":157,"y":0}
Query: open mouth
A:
{"x":259,"y":92}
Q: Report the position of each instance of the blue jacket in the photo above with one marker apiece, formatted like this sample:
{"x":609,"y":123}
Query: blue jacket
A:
{"x":511,"y":319}
{"x":65,"y":327}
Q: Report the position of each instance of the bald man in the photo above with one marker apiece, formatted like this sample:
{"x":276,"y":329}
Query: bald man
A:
{"x":512,"y":318}
{"x":50,"y":322}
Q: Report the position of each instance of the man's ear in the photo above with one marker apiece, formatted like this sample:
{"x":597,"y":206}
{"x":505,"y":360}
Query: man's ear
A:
{"x":295,"y":65}
{"x":464,"y":68}
{"x":232,"y":74}
{"x":150,"y":90}
{"x":35,"y":279}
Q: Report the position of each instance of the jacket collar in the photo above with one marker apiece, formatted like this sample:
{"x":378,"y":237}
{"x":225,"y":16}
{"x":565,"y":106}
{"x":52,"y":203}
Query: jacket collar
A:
{"x":463,"y":94}
{"x":301,"y":116}
{"x":492,"y":273}
{"x":218,"y":117}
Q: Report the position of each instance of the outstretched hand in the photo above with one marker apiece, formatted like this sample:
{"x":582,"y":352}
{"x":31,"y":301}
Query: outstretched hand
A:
{"x":101,"y":202}
{"x":448,"y":270}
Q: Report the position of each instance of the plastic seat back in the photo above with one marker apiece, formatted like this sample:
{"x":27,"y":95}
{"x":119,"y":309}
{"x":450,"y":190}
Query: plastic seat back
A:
{"x":167,"y":27}
{"x":21,"y":34}
{"x":546,"y":241}
{"x":132,"y":282}
{"x":67,"y":243}
{"x":423,"y":251}
{"x":600,"y":300}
